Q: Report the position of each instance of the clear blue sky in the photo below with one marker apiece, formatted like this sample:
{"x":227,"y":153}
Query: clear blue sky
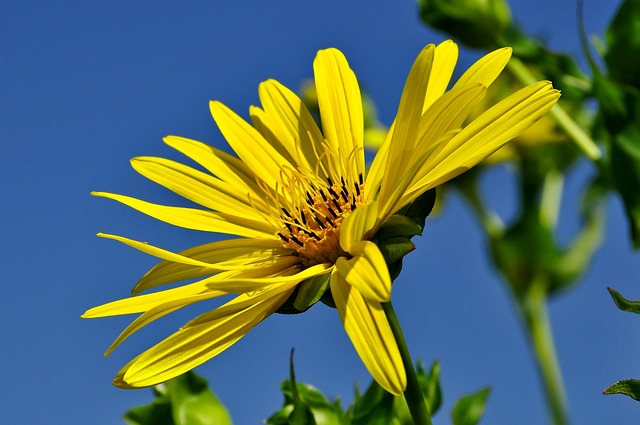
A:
{"x":87,"y":85}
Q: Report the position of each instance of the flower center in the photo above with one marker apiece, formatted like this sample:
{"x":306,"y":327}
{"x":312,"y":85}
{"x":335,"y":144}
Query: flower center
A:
{"x":312,"y":228}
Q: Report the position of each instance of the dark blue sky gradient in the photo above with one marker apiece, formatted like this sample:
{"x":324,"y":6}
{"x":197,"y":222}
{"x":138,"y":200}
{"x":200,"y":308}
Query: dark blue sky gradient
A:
{"x":87,"y":85}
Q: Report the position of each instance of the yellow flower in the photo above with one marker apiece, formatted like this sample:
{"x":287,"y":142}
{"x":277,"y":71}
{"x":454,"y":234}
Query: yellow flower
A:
{"x":303,"y":205}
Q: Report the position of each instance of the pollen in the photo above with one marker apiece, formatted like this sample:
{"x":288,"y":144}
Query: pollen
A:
{"x":312,"y":227}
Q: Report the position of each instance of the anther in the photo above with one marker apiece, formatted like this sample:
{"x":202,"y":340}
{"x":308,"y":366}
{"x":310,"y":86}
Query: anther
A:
{"x":344,"y":194}
{"x":332,"y":212}
{"x":333,"y":192}
{"x":284,"y":210}
{"x":360,"y":179}
{"x":357,"y":186}
{"x":324,"y":197}
{"x":320,"y":223}
{"x":337,"y":205}
{"x":329,"y":181}
{"x":283,"y":237}
{"x":293,"y":238}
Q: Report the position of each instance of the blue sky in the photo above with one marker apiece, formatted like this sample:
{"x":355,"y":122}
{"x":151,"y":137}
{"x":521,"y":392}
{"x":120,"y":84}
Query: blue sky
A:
{"x":86,"y":85}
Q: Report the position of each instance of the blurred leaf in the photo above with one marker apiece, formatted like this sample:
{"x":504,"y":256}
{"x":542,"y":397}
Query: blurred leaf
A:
{"x":623,"y":41}
{"x":629,"y":387}
{"x":469,"y":409}
{"x":184,"y":400}
{"x":623,"y":303}
{"x":476,"y":23}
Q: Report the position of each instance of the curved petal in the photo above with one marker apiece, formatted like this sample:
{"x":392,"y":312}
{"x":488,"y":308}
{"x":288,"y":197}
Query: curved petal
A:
{"x":195,"y":219}
{"x":256,"y":280}
{"x":291,"y":123}
{"x":228,"y":255}
{"x":444,"y":62}
{"x":142,"y":303}
{"x":489,"y":132}
{"x":366,"y":271}
{"x":201,"y":339}
{"x":226,"y":167}
{"x":249,"y":144}
{"x":198,"y":187}
{"x":357,"y":225}
{"x":340,"y":106}
{"x":405,"y":132}
{"x":171,"y":305}
{"x":369,"y":331}
{"x":486,"y":69}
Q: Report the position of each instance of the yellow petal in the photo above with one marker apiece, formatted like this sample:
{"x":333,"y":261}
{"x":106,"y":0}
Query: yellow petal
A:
{"x":195,"y":219}
{"x":201,"y":339}
{"x":199,"y":187}
{"x":226,"y":167}
{"x":340,"y":106}
{"x":486,"y":69}
{"x":255,"y":280}
{"x":291,"y":123}
{"x":369,"y":331}
{"x":444,"y":62}
{"x":405,"y":132}
{"x":142,"y":303}
{"x":249,"y":144}
{"x":228,"y":255}
{"x":171,"y":305}
{"x":489,"y":132}
{"x":367,"y":271}
{"x":357,"y":225}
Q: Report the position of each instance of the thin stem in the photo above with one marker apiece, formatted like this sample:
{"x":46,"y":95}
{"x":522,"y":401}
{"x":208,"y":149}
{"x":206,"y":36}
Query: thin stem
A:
{"x":413,"y":393}
{"x":579,"y":137}
{"x":534,"y":311}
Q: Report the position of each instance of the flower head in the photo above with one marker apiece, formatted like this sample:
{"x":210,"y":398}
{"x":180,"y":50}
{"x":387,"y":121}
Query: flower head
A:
{"x":303,"y":205}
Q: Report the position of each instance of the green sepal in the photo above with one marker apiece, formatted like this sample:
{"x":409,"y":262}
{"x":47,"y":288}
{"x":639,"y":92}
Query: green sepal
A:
{"x":393,"y":250}
{"x":623,"y":303}
{"x":184,"y":400}
{"x":421,"y":207}
{"x":469,"y":409}
{"x":311,"y":291}
{"x":629,"y":387}
{"x":305,"y":404}
{"x":398,"y":225}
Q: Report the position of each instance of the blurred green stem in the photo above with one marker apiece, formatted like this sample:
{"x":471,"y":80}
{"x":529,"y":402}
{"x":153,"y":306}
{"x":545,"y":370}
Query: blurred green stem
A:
{"x":413,"y":393}
{"x":580,"y":138}
{"x":533,"y":307}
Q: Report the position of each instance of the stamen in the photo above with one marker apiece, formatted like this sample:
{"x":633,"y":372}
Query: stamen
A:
{"x":337,"y":206}
{"x":333,"y":193}
{"x":357,"y":186}
{"x":332,"y":212}
{"x":320,"y":223}
{"x":324,"y":197}
{"x":360,"y":179}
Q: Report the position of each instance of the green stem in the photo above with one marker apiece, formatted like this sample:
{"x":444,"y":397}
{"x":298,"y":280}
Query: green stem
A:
{"x":580,"y":138}
{"x":413,"y":393}
{"x":534,"y":311}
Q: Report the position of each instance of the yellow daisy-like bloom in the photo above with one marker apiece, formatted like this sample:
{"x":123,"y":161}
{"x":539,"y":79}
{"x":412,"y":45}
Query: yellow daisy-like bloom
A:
{"x":303,"y":205}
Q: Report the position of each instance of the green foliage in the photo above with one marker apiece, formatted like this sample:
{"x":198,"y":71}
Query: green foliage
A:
{"x":303,"y":402}
{"x":618,"y":95}
{"x":629,"y":387}
{"x":185,"y":400}
{"x":469,"y":409}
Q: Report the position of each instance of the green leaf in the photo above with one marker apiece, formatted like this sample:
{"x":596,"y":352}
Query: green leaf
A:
{"x":470,"y":408}
{"x":623,"y":303}
{"x":629,"y":387}
{"x":374,"y":407}
{"x":184,"y":400}
{"x":305,"y":404}
{"x":430,"y":386}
